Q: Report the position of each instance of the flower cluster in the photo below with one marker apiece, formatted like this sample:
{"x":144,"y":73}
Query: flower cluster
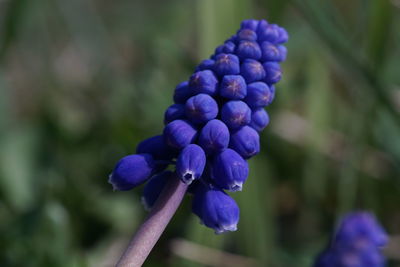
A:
{"x":356,"y":243}
{"x":213,"y":127}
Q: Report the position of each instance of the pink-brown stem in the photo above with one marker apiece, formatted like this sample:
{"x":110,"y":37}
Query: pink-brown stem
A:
{"x":150,"y":231}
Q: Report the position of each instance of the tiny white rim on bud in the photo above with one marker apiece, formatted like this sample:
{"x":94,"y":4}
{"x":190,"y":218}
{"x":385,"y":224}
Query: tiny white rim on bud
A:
{"x":110,"y":182}
{"x":236,"y":186}
{"x":186,"y":180}
{"x":226,"y":228}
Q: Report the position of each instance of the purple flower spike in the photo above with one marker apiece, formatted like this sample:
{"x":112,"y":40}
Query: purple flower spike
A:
{"x":229,"y":170}
{"x":233,"y":87}
{"x":203,"y":82}
{"x":156,"y":147}
{"x":259,"y":95}
{"x":216,"y":209}
{"x":154,"y":187}
{"x":131,"y":171}
{"x":357,"y":242}
{"x":259,"y":119}
{"x":206,"y":64}
{"x":249,"y":24}
{"x":235,"y":114}
{"x":270,"y":52}
{"x":273,"y":72}
{"x":214,"y":137}
{"x":174,"y":112}
{"x":226,"y":64}
{"x":201,"y":108}
{"x":252,"y":70}
{"x":246,"y":142}
{"x":248,"y":49}
{"x":190,"y":163}
{"x":182,"y":92}
{"x":246,"y":35}
{"x":179,"y":133}
{"x":210,"y":131}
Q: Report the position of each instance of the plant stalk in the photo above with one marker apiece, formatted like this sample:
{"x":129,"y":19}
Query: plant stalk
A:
{"x":154,"y":225}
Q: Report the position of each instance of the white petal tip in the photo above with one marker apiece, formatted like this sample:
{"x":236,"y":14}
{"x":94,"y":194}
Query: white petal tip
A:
{"x":236,"y":187}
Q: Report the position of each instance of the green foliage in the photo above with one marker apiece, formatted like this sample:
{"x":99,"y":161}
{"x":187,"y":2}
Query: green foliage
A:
{"x":81,"y":82}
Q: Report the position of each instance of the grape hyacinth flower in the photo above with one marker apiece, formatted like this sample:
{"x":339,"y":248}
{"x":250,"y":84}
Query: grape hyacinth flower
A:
{"x":210,"y":132}
{"x":357,"y":242}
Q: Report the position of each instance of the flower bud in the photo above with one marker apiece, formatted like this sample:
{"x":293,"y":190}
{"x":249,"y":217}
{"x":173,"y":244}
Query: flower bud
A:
{"x":273,"y":72}
{"x":233,"y":87}
{"x":259,"y":119}
{"x":182,"y":92}
{"x":190,"y":163}
{"x":283,"y":36}
{"x":206,"y":64}
{"x":250,"y":24}
{"x":246,"y":142}
{"x":156,"y":147}
{"x":246,"y":35}
{"x":174,"y":112}
{"x":215,"y":209}
{"x":248,"y":49}
{"x":270,"y":52}
{"x":201,"y":108}
{"x":235,"y":114}
{"x":227,"y":48}
{"x":203,"y":82}
{"x":179,"y":133}
{"x":252,"y":70}
{"x":154,"y":187}
{"x":229,"y":170}
{"x":226,"y":64}
{"x":259,"y":95}
{"x":282,"y":52}
{"x":131,"y":171}
{"x":214,"y":137}
{"x":268,"y":32}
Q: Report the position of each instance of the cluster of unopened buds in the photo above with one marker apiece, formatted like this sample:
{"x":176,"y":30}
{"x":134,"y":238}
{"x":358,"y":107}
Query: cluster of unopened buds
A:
{"x":213,"y":127}
{"x":357,"y":242}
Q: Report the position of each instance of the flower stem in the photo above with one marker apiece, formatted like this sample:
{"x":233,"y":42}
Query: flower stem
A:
{"x":150,"y":231}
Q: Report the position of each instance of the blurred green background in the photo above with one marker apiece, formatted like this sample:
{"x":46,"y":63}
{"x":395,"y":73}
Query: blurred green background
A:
{"x":83,"y":81}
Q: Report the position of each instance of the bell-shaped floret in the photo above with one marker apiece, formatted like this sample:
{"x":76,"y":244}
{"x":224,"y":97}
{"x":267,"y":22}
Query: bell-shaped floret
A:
{"x":179,"y":133}
{"x":214,"y":137}
{"x":248,"y":49}
{"x":235,"y":114}
{"x":229,"y":170}
{"x":131,"y":171}
{"x":226,"y":64}
{"x":203,"y":82}
{"x":270,"y":52}
{"x":259,"y":95}
{"x":233,"y":87}
{"x":259,"y":119}
{"x":246,"y":142}
{"x":190,"y":163}
{"x":273,"y":72}
{"x":182,"y":92}
{"x":215,"y":209}
{"x":252,"y":70}
{"x":201,"y":108}
{"x":156,"y":147}
{"x":174,"y":112}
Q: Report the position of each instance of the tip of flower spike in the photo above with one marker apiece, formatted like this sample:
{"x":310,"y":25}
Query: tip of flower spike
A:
{"x":237,"y":186}
{"x":146,"y":205}
{"x":225,"y":228}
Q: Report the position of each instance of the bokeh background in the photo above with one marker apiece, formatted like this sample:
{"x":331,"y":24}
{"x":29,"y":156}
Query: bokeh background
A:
{"x":83,"y":81}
